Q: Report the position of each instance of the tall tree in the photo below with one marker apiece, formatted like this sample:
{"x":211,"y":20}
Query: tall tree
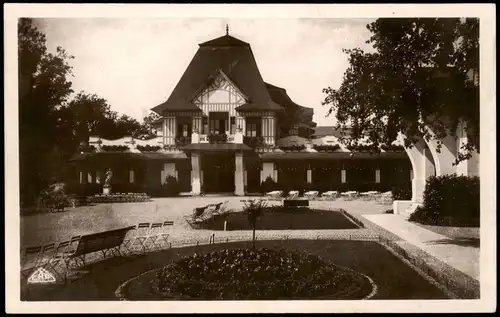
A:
{"x":417,"y":77}
{"x":43,"y":88}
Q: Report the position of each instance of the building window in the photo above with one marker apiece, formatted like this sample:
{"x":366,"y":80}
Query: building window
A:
{"x":294,"y":130}
{"x":205,"y":126}
{"x":253,"y":127}
{"x":233,"y":125}
{"x":184,"y":129}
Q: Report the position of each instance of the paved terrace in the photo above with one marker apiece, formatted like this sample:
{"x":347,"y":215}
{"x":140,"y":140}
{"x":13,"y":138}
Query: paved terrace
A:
{"x":47,"y":228}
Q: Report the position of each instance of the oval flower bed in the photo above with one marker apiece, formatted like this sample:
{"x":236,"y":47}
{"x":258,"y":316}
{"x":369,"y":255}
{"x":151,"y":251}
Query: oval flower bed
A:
{"x":265,"y":274}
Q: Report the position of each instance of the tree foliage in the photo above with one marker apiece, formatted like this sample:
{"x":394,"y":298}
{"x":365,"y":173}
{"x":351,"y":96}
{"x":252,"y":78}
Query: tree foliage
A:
{"x":420,"y":79}
{"x":52,"y":121}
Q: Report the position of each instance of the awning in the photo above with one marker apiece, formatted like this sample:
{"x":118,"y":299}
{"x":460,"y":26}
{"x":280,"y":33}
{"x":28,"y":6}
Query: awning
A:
{"x":330,"y":156}
{"x":125,"y":155}
{"x":216,"y":147}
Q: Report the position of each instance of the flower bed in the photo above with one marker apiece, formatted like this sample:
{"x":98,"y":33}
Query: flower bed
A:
{"x":326,"y":147}
{"x":265,"y":274}
{"x":118,"y":198}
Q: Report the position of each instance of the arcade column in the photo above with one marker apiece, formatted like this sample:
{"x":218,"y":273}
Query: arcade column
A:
{"x":239,"y":183}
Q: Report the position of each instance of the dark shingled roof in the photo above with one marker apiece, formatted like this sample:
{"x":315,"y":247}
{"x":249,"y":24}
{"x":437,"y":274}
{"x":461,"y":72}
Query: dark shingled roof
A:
{"x":300,"y":113}
{"x":216,"y":147}
{"x":235,"y":59}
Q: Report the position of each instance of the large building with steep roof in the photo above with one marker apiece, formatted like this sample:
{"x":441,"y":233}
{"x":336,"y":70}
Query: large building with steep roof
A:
{"x":223,"y":129}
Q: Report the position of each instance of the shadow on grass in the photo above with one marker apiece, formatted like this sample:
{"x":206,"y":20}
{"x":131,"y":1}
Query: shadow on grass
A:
{"x":298,"y":219}
{"x":464,"y":242}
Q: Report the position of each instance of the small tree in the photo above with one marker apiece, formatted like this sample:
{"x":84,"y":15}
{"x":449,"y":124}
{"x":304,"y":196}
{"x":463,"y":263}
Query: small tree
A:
{"x":253,"y":209}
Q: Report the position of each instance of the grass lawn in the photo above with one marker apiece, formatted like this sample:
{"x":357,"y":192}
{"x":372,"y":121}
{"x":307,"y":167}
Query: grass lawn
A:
{"x":293,"y":219}
{"x":394,"y":279}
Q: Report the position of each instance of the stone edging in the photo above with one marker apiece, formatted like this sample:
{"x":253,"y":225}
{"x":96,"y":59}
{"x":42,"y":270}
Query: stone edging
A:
{"x":352,"y":218}
{"x":468,"y":289}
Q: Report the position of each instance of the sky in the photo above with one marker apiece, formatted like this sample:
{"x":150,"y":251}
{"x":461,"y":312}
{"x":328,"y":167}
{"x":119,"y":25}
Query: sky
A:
{"x":135,"y":63}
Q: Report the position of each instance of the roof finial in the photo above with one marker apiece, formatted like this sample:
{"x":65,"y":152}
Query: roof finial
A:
{"x":227,"y":29}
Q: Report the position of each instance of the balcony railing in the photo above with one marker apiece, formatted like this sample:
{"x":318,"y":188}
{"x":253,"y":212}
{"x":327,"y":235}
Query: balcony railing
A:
{"x":215,"y":138}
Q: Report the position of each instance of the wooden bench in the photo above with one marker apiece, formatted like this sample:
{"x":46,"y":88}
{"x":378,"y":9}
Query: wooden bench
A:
{"x":107,"y":241}
{"x":294,"y":203}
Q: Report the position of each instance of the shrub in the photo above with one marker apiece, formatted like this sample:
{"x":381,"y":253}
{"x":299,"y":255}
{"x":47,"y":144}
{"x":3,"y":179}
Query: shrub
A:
{"x":292,"y":147}
{"x":326,"y":147}
{"x":115,"y":148}
{"x":253,"y":142}
{"x":450,"y":200}
{"x":402,"y":192}
{"x":83,"y":190}
{"x":148,"y":148}
{"x":171,"y":187}
{"x":268,"y":185}
{"x":217,"y":138}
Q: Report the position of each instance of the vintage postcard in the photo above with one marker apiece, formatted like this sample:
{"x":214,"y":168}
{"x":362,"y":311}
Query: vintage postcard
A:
{"x":250,"y":158}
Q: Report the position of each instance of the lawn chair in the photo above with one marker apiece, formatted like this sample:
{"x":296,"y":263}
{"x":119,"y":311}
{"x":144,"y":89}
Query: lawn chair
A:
{"x":30,"y":260}
{"x":150,"y":240}
{"x":293,"y":194}
{"x":276,"y":194}
{"x":163,"y":236}
{"x":349,"y":195}
{"x":330,"y":194}
{"x":220,"y":208}
{"x":385,"y":198}
{"x":311,"y":195}
{"x":131,"y":239}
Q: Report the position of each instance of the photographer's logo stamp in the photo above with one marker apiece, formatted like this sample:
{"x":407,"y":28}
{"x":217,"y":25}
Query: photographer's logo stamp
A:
{"x":41,"y":276}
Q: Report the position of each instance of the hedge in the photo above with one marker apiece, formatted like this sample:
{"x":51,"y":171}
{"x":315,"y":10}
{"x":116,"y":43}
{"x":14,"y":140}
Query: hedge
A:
{"x":450,"y":200}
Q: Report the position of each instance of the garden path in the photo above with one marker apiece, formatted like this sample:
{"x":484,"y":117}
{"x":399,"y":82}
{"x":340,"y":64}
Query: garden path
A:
{"x":458,"y":253}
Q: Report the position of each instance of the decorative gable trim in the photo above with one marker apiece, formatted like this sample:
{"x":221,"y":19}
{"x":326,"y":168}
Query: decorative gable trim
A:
{"x":220,"y":82}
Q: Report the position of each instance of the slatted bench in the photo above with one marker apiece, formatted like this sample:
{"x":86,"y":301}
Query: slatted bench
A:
{"x":107,"y":241}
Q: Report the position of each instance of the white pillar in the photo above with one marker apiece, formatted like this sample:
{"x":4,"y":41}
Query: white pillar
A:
{"x":131,"y":176}
{"x":468,"y":167}
{"x":89,"y":177}
{"x":267,"y":171}
{"x":245,"y":177}
{"x":343,"y":176}
{"x":239,"y":189}
{"x":80,"y":174}
{"x":195,"y":174}
{"x":309,"y":176}
{"x":377,"y":176}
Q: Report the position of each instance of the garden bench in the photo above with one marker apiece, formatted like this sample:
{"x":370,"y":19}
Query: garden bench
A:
{"x":295,"y":203}
{"x":102,"y":241}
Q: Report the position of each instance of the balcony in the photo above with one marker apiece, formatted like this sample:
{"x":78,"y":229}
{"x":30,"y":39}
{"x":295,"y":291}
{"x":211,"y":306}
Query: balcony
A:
{"x":182,"y":140}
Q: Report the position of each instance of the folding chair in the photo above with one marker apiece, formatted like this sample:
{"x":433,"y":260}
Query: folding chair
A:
{"x":152,"y":236}
{"x":164,"y":234}
{"x":50,"y":258}
{"x":141,"y":232}
{"x":29,"y":260}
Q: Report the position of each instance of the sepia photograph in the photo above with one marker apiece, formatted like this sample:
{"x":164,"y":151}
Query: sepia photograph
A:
{"x":196,"y":160}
